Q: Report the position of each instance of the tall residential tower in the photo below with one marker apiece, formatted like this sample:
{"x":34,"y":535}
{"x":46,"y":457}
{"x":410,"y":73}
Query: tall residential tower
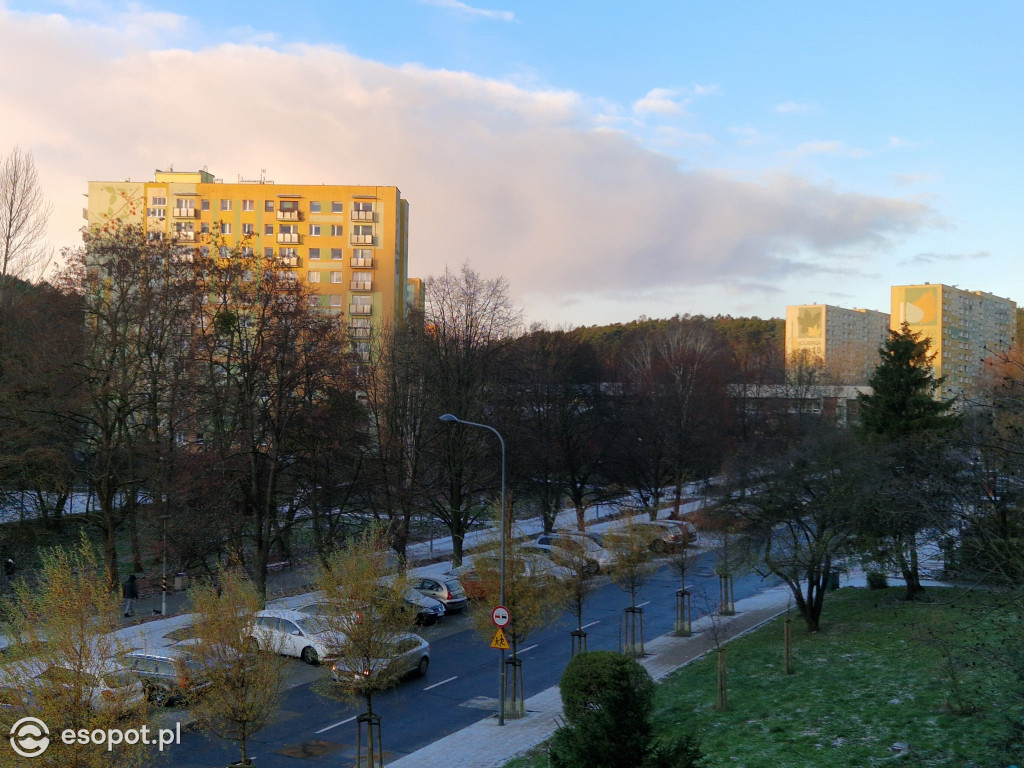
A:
{"x":844,"y":341}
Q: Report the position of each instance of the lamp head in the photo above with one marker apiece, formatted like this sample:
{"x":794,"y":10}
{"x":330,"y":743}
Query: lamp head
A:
{"x":449,"y":418}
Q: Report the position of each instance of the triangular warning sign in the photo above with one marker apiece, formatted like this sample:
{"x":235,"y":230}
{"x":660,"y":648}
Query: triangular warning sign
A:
{"x":500,"y":641}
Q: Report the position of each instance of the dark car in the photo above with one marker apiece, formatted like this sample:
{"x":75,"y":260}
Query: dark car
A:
{"x":169,"y":675}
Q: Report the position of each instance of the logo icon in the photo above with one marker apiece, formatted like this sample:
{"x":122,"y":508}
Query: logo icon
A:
{"x":30,"y":737}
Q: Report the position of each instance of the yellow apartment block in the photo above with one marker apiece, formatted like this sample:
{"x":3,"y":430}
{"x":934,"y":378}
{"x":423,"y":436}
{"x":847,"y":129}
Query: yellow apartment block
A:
{"x":348,"y":242}
{"x":965,"y":327}
{"x":844,"y":341}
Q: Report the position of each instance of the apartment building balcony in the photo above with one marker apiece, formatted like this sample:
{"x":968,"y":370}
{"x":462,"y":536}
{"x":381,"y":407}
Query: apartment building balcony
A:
{"x":290,"y":261}
{"x":185,"y":236}
{"x":289,"y":215}
{"x":362,"y":240}
{"x":361,"y":285}
{"x":288,"y":238}
{"x":360,"y":309}
{"x":359,"y":333}
{"x":362,"y":263}
{"x":362,"y":215}
{"x":184,"y":213}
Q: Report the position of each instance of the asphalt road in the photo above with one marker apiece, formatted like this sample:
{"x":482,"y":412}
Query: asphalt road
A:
{"x":460,"y":688}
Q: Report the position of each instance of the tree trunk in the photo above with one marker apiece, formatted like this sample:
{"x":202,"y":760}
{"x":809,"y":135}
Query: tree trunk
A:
{"x":581,"y":523}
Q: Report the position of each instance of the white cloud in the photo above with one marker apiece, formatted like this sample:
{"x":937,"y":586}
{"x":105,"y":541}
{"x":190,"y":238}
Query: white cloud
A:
{"x":518,"y":182}
{"x":659,"y":101}
{"x":833,"y":148}
{"x":704,"y":90}
{"x":469,"y":10}
{"x":944,"y":258}
{"x":746,"y":135}
{"x":790,"y":107}
{"x":249,"y":36}
{"x":909,"y":179}
{"x":895,"y":142}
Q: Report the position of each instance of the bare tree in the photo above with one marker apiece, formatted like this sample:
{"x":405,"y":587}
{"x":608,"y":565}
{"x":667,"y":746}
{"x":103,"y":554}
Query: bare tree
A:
{"x":24,"y":214}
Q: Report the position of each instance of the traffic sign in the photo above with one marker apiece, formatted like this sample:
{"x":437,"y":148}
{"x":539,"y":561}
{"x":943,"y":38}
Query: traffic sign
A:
{"x":500,"y":616}
{"x":500,"y":641}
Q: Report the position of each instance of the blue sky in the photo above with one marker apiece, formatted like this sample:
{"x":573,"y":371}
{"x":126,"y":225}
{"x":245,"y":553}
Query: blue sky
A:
{"x":609,"y":159}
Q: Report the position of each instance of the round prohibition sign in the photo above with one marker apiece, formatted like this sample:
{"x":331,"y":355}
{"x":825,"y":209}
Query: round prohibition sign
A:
{"x":500,"y":616}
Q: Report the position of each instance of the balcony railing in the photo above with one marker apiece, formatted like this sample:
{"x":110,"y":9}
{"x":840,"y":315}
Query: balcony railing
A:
{"x":290,"y":261}
{"x":362,"y":240}
{"x":362,"y":215}
{"x":360,"y":309}
{"x":184,"y":213}
{"x":185,"y":236}
{"x":361,"y":285}
{"x":288,"y":216}
{"x":359,"y":333}
{"x":362,"y":263}
{"x":288,"y":237}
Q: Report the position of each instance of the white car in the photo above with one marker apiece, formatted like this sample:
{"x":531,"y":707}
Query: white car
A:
{"x":102,"y":686}
{"x":566,"y":547}
{"x":292,"y":633}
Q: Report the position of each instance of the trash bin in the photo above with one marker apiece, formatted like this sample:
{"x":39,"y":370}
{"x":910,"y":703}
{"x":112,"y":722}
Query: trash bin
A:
{"x":832,"y":583}
{"x":180,"y":582}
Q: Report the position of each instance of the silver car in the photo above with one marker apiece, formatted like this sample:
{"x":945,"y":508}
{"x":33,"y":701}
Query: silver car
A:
{"x":444,"y":588}
{"x":411,"y":655}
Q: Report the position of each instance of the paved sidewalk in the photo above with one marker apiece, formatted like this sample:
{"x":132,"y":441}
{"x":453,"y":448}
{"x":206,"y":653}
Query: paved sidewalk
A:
{"x":486,"y":745}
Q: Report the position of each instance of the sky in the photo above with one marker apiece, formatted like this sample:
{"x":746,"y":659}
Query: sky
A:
{"x":609,"y":160}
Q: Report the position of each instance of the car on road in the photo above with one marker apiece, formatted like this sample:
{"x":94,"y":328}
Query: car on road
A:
{"x":293,"y":633}
{"x":409,"y":654}
{"x":169,"y":675}
{"x":446,"y":589}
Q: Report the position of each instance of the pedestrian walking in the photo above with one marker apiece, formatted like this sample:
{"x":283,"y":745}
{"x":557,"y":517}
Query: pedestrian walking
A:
{"x":8,"y":572}
{"x":130,"y":590}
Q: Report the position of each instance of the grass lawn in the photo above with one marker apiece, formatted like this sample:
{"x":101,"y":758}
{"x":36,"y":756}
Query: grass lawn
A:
{"x":876,"y":675}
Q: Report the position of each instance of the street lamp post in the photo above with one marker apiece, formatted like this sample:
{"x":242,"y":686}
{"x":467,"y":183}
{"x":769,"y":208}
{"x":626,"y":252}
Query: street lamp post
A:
{"x":163,"y":567}
{"x":450,"y":419}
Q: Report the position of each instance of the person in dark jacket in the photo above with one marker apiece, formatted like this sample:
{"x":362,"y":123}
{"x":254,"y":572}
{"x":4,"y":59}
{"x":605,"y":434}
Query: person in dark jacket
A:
{"x":130,"y":591}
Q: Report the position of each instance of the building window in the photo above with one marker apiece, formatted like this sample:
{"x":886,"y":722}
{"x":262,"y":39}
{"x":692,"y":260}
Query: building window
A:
{"x":315,"y":206}
{"x":246,"y":251}
{"x":289,"y":205}
{"x":159,"y":201}
{"x":204,"y":205}
{"x":337,"y":207}
{"x":312,"y":277}
{"x":335,"y":277}
{"x":336,"y":230}
{"x":268,"y":253}
{"x":248,"y":229}
{"x":314,"y":230}
{"x":225,"y":205}
{"x":204,"y":227}
{"x":268,"y":229}
{"x":362,"y":211}
{"x":314,"y":253}
{"x":156,"y":213}
{"x":225,"y":228}
{"x":225,"y":252}
{"x":268,"y":205}
{"x":248,"y":205}
{"x":335,"y":300}
{"x":336,"y":254}
{"x":288,"y":253}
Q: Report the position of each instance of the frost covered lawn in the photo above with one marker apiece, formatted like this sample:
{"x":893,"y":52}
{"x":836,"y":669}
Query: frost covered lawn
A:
{"x":872,"y":678}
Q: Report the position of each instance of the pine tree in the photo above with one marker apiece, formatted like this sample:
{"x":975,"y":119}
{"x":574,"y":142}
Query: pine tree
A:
{"x":902,"y":419}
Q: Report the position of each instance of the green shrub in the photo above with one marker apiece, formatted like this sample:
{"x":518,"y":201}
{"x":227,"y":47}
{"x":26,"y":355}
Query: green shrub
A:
{"x":877,"y":580}
{"x":608,"y":699}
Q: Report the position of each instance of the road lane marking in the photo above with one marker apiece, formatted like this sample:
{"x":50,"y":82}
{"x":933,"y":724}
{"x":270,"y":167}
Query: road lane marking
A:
{"x":527,"y":648}
{"x":591,"y":624}
{"x":337,"y":724}
{"x":441,"y":683}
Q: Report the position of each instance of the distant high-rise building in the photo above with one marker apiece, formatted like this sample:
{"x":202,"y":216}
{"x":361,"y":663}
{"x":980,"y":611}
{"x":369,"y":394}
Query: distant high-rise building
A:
{"x":844,"y":341}
{"x":350,"y":243}
{"x":965,"y":327}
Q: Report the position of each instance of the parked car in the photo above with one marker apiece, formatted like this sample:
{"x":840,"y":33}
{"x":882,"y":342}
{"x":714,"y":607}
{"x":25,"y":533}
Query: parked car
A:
{"x":293,"y":633}
{"x":428,"y":609}
{"x":535,"y":564}
{"x":169,"y":675}
{"x":567,"y":548}
{"x":411,"y":655}
{"x":667,"y":535}
{"x":105,"y":685}
{"x":447,"y":589}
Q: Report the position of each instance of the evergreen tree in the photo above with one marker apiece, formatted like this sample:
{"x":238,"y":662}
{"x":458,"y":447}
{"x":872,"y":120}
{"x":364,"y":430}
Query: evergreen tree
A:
{"x":904,"y":384}
{"x":906,"y":424}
